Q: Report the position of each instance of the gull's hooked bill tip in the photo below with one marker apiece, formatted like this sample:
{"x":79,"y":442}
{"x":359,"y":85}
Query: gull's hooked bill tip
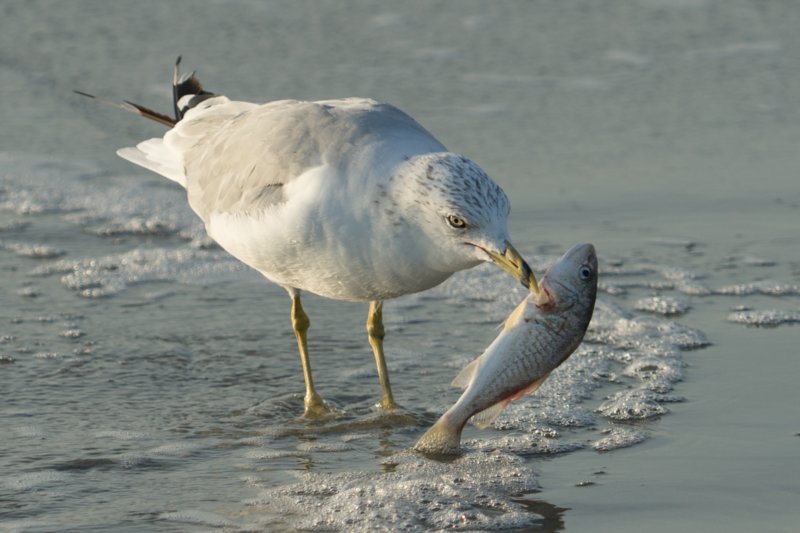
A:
{"x":512,"y":262}
{"x":524,"y":271}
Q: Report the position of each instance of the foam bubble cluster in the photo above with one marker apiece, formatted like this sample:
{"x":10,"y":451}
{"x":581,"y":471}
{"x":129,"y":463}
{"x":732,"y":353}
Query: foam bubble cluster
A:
{"x":154,"y":226}
{"x":631,"y":405}
{"x":764,"y":318}
{"x":32,"y":251}
{"x":618,"y":437}
{"x":641,"y":334}
{"x":109,"y":275}
{"x":685,"y":281}
{"x":662,"y":305}
{"x":469,"y":493}
{"x":771,"y":288}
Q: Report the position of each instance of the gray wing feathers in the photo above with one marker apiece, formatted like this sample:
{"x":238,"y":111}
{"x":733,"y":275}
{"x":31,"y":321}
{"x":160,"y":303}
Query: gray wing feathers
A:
{"x":236,"y":157}
{"x":239,"y":161}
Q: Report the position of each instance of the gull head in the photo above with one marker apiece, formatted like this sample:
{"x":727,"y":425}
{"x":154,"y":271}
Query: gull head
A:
{"x":461,"y":213}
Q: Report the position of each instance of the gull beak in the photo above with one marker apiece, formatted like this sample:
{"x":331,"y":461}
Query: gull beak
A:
{"x":514,"y":264}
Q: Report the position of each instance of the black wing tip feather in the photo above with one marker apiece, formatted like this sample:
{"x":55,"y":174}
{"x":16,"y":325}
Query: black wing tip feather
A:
{"x":186,"y":85}
{"x":133,"y":108}
{"x":182,"y":85}
{"x":149,"y":113}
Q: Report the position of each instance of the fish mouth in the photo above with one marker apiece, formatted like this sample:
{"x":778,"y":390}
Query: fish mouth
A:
{"x":512,"y":262}
{"x":549,"y":300}
{"x":545,"y":299}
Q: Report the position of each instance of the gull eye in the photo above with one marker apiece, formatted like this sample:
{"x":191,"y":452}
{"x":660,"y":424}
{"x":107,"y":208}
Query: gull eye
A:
{"x":456,"y":221}
{"x":585,"y":272}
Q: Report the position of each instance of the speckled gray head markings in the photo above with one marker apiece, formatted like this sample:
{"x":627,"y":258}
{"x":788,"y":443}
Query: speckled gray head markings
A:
{"x":465,"y":185}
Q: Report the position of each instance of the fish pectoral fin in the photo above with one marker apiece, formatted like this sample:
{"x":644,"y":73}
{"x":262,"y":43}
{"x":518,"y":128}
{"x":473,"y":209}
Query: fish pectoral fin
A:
{"x":515,"y":315}
{"x":484,"y":419}
{"x":465,"y":376}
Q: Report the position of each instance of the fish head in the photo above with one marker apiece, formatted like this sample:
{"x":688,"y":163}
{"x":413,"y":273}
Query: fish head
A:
{"x":571,"y":281}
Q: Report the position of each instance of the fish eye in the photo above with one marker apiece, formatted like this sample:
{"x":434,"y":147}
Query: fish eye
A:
{"x":456,"y":222}
{"x":585,"y":272}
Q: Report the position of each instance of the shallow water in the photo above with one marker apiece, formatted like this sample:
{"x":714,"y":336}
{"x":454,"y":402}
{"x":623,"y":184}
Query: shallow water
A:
{"x":151,"y":383}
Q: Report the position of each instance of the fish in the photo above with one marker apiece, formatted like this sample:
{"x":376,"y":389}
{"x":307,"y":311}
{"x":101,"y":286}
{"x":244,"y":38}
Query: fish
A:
{"x":542,"y":331}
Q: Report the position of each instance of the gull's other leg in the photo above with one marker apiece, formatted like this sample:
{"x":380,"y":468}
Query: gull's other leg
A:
{"x":376,"y":333}
{"x":314,"y":406}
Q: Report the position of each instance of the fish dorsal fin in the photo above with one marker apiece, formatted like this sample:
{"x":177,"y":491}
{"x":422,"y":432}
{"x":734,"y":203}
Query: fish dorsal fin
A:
{"x":465,"y":376}
{"x":484,"y":419}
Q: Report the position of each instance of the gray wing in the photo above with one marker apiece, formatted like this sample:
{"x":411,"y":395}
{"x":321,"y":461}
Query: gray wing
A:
{"x":242,"y":156}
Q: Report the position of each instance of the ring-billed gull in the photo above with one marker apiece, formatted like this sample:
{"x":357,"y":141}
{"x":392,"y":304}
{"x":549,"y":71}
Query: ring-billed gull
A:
{"x":350,"y":199}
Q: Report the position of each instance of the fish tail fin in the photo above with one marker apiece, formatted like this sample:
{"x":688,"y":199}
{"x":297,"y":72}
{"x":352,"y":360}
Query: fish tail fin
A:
{"x":443,"y":438}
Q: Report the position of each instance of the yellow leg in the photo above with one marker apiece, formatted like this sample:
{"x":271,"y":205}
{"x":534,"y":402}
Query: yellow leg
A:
{"x":376,"y":333}
{"x":314,"y":406}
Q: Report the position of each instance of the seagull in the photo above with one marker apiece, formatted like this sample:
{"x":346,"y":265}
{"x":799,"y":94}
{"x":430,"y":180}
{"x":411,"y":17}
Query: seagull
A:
{"x":349,"y":199}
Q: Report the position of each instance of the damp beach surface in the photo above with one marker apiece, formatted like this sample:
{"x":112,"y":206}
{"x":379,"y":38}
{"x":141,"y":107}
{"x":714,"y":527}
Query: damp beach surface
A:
{"x":149,"y":382}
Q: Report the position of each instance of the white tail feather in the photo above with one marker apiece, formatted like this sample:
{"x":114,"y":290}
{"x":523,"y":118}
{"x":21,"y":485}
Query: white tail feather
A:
{"x":154,"y":155}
